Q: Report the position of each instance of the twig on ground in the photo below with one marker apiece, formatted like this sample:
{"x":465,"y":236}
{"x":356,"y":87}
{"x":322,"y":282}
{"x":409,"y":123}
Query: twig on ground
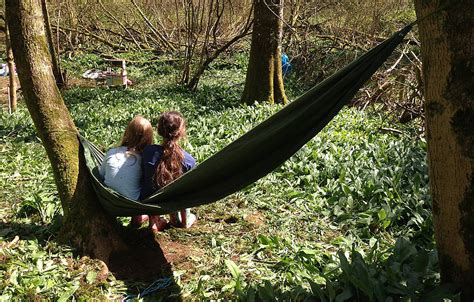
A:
{"x":383,"y":129}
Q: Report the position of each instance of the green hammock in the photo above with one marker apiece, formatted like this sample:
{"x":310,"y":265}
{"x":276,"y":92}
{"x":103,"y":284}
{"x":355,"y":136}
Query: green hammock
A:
{"x":256,"y":153}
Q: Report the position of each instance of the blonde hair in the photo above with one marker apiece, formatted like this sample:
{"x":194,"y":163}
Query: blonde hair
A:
{"x":139,"y":133}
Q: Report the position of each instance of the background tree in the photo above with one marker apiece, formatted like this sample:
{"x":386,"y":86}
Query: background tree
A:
{"x":52,"y":50}
{"x":448,"y":56}
{"x":85,"y":225}
{"x":12,"y":99}
{"x":264,"y":81}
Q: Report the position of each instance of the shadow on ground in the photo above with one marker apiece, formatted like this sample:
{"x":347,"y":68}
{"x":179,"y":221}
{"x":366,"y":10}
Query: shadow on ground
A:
{"x":144,"y":267}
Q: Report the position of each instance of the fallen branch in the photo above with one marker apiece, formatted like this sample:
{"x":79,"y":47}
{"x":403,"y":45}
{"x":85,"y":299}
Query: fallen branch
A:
{"x":141,"y":46}
{"x":391,"y":130}
{"x":165,"y":60}
{"x":97,"y":37}
{"x":342,"y":41}
{"x":398,"y":60}
{"x":416,"y":113}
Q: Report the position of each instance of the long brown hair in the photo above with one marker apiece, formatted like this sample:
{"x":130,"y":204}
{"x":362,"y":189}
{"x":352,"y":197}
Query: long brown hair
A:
{"x":172,"y":127}
{"x":139,"y":133}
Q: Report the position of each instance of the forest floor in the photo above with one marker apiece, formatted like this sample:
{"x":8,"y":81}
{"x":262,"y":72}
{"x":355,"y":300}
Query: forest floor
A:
{"x":4,"y":91}
{"x":347,"y":216}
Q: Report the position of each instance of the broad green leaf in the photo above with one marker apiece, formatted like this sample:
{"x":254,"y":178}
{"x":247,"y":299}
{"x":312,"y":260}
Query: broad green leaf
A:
{"x":233,"y":268}
{"x":66,"y":294}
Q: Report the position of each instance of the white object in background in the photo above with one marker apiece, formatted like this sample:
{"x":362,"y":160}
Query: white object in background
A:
{"x":92,"y":74}
{"x":4,"y":70}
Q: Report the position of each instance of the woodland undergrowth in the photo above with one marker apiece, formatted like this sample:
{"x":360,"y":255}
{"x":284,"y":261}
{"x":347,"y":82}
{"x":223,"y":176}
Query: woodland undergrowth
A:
{"x":348,"y":217}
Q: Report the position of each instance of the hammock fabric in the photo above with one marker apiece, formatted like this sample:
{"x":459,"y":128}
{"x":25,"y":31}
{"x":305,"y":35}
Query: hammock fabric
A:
{"x":256,"y":153}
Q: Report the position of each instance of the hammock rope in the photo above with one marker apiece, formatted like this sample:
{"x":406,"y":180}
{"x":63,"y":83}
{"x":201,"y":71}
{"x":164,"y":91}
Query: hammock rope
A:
{"x":256,"y":153}
{"x":157,"y":285}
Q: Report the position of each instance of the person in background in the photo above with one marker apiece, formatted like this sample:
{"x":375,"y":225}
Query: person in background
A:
{"x":121,"y":169}
{"x":164,"y":163}
{"x":285,"y":64}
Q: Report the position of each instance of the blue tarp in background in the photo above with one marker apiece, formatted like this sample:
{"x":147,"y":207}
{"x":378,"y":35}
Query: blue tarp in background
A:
{"x":285,"y":64}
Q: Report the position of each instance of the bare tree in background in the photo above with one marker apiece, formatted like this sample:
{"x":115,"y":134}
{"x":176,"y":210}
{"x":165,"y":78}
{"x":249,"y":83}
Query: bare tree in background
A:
{"x":49,"y":37}
{"x":264,"y":81}
{"x":205,"y":38}
{"x":12,"y":97}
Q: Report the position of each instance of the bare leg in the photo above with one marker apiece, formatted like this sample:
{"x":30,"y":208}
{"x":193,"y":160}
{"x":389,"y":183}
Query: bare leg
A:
{"x":184,"y":218}
{"x":137,"y":221}
{"x":157,"y":224}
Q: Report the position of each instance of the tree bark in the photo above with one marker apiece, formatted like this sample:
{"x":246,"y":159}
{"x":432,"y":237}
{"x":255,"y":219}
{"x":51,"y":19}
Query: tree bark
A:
{"x":264,"y":81}
{"x":447,"y":40}
{"x":85,"y":225}
{"x":12,"y":98}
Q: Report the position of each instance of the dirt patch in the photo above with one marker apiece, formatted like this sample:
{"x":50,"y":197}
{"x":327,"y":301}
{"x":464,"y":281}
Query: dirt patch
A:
{"x":229,"y":219}
{"x":150,"y":257}
{"x":255,"y":218}
{"x":3,"y":90}
{"x":144,"y":260}
{"x":176,"y":253}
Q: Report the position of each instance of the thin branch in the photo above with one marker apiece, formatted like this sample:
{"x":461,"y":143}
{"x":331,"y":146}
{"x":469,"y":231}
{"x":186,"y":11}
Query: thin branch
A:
{"x":97,"y":37}
{"x":164,"y":41}
{"x":278,"y":16}
{"x":393,"y":130}
{"x":125,"y":38}
{"x":341,"y":41}
{"x":245,"y":31}
{"x":398,"y":60}
{"x":119,"y":23}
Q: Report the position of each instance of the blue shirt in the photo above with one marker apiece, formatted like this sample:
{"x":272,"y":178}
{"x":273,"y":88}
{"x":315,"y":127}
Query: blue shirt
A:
{"x":151,"y":157}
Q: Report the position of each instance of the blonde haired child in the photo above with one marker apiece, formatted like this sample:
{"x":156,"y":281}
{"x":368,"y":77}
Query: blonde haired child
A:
{"x":122,"y":166}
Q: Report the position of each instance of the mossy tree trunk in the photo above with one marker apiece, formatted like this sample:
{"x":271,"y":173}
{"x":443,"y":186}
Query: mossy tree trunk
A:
{"x":264,"y":81}
{"x":447,"y":44}
{"x":85,"y":225}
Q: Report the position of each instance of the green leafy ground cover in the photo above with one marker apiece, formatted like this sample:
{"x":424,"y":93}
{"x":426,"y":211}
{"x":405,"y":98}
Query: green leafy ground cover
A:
{"x":346,"y":218}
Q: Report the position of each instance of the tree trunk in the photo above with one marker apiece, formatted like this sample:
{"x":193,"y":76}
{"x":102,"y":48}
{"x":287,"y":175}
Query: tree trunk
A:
{"x":447,"y":40}
{"x":11,"y":74}
{"x":85,"y":225}
{"x":49,"y":38}
{"x":264,"y":81}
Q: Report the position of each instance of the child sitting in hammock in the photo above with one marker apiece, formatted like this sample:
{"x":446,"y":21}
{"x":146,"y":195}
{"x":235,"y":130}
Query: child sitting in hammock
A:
{"x":164,"y":163}
{"x":122,"y":166}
